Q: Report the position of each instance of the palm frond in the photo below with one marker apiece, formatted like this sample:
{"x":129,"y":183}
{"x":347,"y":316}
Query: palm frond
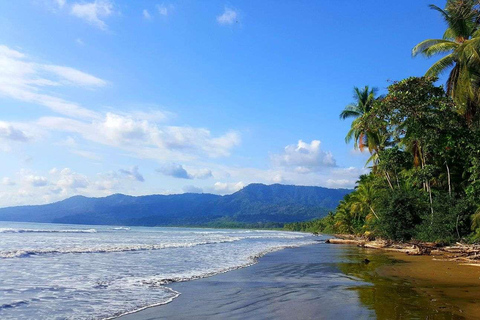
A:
{"x":432,"y":47}
{"x":350,"y":111}
{"x":439,"y":48}
{"x":449,"y":34}
{"x":476,"y":219}
{"x":441,"y":66}
{"x":442,"y":12}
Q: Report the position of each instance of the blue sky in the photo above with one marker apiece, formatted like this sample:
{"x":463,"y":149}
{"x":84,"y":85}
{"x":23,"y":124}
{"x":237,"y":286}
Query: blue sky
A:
{"x":141,"y":97}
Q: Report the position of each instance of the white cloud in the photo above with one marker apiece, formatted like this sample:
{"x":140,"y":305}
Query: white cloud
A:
{"x":60,"y":3}
{"x":93,"y":12}
{"x":163,"y":10}
{"x":278,"y":178}
{"x":9,"y":132}
{"x":34,"y":188}
{"x":201,"y":173}
{"x":176,"y":171}
{"x":227,"y":187}
{"x":10,"y":53}
{"x":337,"y":183}
{"x":8,"y":182}
{"x":192,"y":189}
{"x":87,"y":154}
{"x":304,"y":157}
{"x":146,"y":139}
{"x":24,"y":80}
{"x":107,"y":184}
{"x":68,"y":142}
{"x":37,"y":181}
{"x":80,"y":42}
{"x":345,"y":177}
{"x":150,"y":115}
{"x":71,"y":180}
{"x":229,"y":16}
{"x":70,"y":76}
{"x":133,"y":173}
{"x":146,"y":14}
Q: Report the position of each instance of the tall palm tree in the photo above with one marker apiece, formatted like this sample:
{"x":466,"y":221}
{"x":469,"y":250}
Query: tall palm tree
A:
{"x":364,"y":101}
{"x":461,"y":44}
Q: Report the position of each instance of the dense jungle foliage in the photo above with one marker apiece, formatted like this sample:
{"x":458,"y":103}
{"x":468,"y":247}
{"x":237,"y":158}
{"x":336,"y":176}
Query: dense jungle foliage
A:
{"x":424,"y":145}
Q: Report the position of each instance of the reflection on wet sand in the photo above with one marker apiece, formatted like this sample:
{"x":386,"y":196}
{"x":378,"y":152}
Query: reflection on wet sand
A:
{"x":405,"y":287}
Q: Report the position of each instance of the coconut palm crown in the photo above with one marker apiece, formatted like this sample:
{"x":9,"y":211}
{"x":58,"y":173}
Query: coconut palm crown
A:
{"x":461,"y":46}
{"x":364,"y":101}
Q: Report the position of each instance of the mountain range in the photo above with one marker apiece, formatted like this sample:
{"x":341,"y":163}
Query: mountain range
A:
{"x":256,"y":205}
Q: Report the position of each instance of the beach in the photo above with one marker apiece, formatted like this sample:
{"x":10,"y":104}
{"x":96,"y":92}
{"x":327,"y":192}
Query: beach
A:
{"x":324,"y":281}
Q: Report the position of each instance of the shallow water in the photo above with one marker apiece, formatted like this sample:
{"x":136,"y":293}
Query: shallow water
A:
{"x":319,"y":281}
{"x":51,"y":271}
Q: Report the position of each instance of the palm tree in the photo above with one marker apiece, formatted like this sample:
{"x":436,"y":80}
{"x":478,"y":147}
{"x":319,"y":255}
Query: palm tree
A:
{"x":461,"y":44}
{"x":363,"y":198}
{"x":364,"y":101}
{"x":343,"y":220}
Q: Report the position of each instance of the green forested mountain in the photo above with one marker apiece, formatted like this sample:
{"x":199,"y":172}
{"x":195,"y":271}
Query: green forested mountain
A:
{"x":256,"y":205}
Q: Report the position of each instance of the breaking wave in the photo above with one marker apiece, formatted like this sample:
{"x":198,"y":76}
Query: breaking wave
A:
{"x":22,"y":253}
{"x":12,"y":230}
{"x":161,"y":282}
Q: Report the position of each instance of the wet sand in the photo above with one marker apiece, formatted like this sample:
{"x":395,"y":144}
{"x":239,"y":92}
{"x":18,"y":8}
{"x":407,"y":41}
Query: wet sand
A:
{"x":329,"y":282}
{"x":449,"y":285}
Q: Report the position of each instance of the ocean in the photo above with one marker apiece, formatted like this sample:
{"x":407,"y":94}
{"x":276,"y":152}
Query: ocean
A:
{"x":58,"y":271}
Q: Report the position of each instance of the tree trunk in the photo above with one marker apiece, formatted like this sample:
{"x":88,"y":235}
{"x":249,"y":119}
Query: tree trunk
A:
{"x":431,"y":200}
{"x":388,"y":179}
{"x":456,"y":227}
{"x":396,"y":177}
{"x":449,"y":181}
{"x":429,"y":189}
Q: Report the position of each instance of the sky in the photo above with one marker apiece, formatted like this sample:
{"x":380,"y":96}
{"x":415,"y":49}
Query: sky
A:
{"x":153,"y":97}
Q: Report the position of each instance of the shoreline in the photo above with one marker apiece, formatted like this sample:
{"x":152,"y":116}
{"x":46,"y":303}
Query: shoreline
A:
{"x":253,"y":260}
{"x":328,"y":282}
{"x":463,"y":254}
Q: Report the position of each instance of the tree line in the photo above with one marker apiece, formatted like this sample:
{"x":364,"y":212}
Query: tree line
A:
{"x":424,"y":146}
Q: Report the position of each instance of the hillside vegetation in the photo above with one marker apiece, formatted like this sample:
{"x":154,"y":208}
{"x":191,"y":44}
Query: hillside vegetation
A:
{"x":256,"y":205}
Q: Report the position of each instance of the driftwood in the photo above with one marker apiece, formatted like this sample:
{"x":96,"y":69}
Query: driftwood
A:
{"x":345,"y":241}
{"x":347,"y":236}
{"x":466,"y":254}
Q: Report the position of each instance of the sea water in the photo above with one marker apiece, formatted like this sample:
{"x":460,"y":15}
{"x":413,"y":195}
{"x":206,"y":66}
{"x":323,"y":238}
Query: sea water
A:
{"x":58,"y":271}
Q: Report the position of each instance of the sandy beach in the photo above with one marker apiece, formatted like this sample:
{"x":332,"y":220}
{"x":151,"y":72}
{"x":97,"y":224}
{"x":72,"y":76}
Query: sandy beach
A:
{"x":329,"y":282}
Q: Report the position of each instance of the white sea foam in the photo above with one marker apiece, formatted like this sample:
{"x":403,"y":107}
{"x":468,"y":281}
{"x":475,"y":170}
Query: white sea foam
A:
{"x":121,"y":228}
{"x":251,"y":260}
{"x":22,"y":253}
{"x":13,"y":230}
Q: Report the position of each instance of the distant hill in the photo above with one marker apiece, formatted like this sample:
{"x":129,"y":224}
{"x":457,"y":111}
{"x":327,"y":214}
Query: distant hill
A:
{"x":256,"y":205}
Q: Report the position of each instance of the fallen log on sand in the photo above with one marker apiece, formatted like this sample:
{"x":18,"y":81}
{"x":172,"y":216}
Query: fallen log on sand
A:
{"x":345,"y":241}
{"x":462,"y":253}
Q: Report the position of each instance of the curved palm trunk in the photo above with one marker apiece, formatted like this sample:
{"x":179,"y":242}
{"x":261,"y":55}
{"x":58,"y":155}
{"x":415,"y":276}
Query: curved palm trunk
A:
{"x":388,"y":180}
{"x":449,"y":180}
{"x":373,"y":211}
